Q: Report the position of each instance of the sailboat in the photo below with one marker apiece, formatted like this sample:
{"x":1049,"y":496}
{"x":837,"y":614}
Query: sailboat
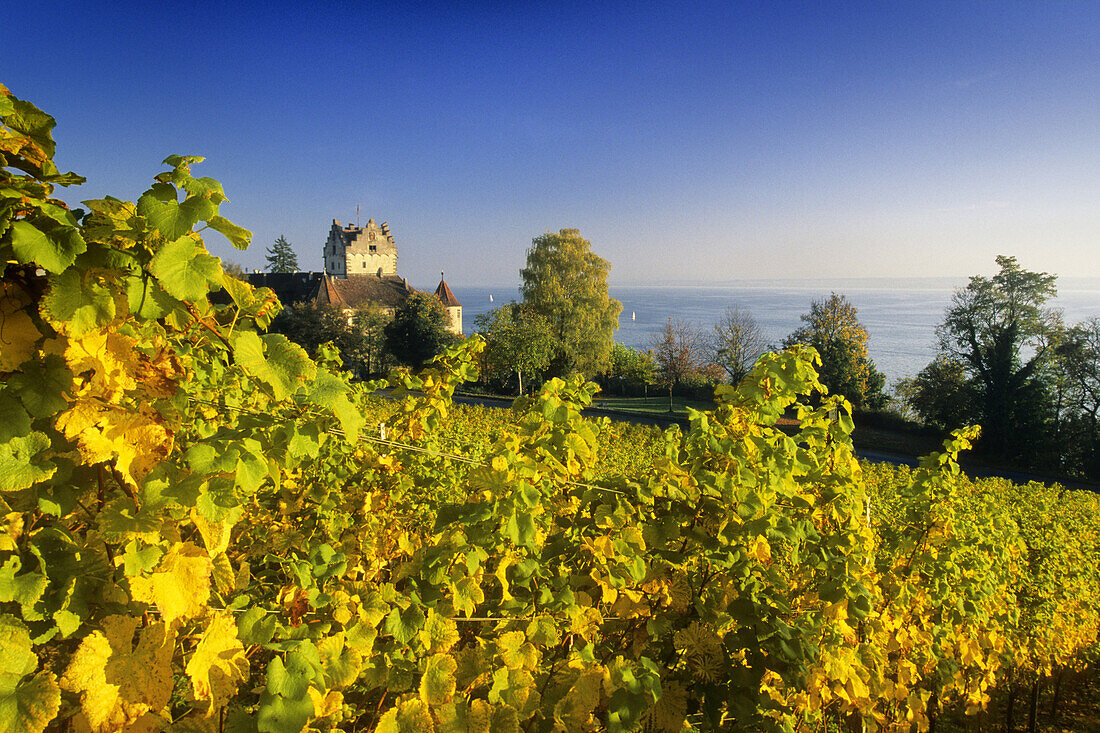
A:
{"x":632,"y":315}
{"x":490,"y":297}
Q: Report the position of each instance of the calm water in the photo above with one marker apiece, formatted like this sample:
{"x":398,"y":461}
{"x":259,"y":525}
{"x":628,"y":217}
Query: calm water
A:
{"x":900,"y":315}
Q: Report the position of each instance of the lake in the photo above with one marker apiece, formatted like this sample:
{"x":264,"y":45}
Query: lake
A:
{"x":900,"y":314}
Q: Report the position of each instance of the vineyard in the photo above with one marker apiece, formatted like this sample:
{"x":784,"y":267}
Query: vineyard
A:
{"x":205,"y":529}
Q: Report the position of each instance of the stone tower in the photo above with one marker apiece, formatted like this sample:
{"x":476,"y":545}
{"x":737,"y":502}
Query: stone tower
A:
{"x":366,"y":250}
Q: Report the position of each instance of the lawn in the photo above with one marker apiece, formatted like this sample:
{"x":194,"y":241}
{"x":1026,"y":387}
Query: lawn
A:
{"x":654,"y":404}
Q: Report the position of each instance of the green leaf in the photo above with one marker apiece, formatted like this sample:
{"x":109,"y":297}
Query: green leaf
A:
{"x":147,"y":299}
{"x":42,"y":385}
{"x":14,"y":420}
{"x":79,"y":305}
{"x":285,"y":705}
{"x":284,"y":367}
{"x":437,"y":685}
{"x":19,"y":464}
{"x":185,"y":270}
{"x":256,"y":626}
{"x":404,"y":625}
{"x":171,"y":218}
{"x":31,"y":706}
{"x":18,"y":660}
{"x":239,"y":237}
{"x":54,"y":251}
{"x":25,"y":589}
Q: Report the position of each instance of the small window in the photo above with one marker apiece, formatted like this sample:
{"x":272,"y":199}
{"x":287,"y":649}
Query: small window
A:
{"x":373,"y":248}
{"x":364,"y":265}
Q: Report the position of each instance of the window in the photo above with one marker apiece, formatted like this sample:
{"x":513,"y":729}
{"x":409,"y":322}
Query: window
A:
{"x":364,"y":265}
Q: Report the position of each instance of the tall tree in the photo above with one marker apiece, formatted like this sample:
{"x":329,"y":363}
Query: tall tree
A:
{"x":736,"y":343}
{"x":310,"y":325}
{"x":1000,"y":329}
{"x":281,"y":257}
{"x":631,"y":367}
{"x":566,"y":283}
{"x":518,"y":341}
{"x":418,"y":330}
{"x":678,"y":351}
{"x":832,"y":327}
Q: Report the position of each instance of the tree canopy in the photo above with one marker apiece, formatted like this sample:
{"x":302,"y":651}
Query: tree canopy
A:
{"x":418,"y":330}
{"x":518,"y":341}
{"x":677,"y":349}
{"x":736,"y":343}
{"x":566,"y":283}
{"x":1000,"y":329}
{"x":832,"y":327}
{"x":281,"y":256}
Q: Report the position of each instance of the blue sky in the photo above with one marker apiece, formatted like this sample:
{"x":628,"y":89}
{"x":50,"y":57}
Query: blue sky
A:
{"x":686,"y":141}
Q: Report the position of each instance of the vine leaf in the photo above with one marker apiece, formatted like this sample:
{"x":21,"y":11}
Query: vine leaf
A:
{"x":284,"y":367}
{"x":185,"y":269}
{"x":170,"y":217}
{"x":285,"y":705}
{"x":238,"y":236}
{"x":437,"y":685}
{"x":118,"y":684}
{"x":22,"y":463}
{"x":78,"y":303}
{"x":180,"y":586}
{"x":18,"y":334}
{"x":218,"y":665}
{"x":30,"y":705}
{"x":55,"y":250}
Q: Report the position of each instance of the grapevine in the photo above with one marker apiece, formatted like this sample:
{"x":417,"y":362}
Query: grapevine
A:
{"x":207,"y":529}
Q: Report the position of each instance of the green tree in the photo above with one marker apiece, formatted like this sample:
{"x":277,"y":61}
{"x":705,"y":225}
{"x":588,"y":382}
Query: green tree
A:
{"x":566,"y":283}
{"x":418,"y":330}
{"x":281,"y":257}
{"x":517,"y":341}
{"x":736,"y":343}
{"x":631,"y":368}
{"x":371,"y":322}
{"x":357,"y":337}
{"x":990,"y":326}
{"x":832,"y":327}
{"x":939,"y":394}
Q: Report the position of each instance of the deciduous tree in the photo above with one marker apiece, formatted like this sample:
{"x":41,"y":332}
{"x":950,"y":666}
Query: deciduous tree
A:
{"x":565,"y":282}
{"x":678,"y":351}
{"x":999,"y":328}
{"x":518,"y":341}
{"x":418,"y":330}
{"x":736,"y":343}
{"x":832,"y":327}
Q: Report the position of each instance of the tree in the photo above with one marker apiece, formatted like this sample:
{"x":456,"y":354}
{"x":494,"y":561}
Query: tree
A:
{"x":371,"y":322}
{"x":990,"y":325}
{"x":281,"y":257}
{"x":736,"y":343}
{"x":418,"y":330}
{"x":1079,"y":364}
{"x":632,"y":367}
{"x":832,"y":327}
{"x":678,"y":351}
{"x":566,"y":283}
{"x":939,"y":394}
{"x":233,"y":269}
{"x":309,"y":325}
{"x":518,"y":341}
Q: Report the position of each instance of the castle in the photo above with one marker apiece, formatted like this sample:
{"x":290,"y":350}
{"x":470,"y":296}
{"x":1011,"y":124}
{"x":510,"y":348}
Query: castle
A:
{"x":360,"y":269}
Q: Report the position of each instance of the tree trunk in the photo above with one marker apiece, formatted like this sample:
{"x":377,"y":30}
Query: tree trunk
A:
{"x":1054,"y":699}
{"x":1010,"y":724}
{"x":519,"y":375}
{"x":1032,"y":722}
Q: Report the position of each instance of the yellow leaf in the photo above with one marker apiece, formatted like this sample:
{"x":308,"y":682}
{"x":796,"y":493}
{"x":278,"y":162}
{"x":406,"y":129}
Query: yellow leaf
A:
{"x":180,"y":586}
{"x":101,"y":359}
{"x":18,"y":334}
{"x":218,"y":664}
{"x":135,"y":440}
{"x":117,"y":683}
{"x":326,"y":705}
{"x":574,"y":711}
{"x":761,"y":550}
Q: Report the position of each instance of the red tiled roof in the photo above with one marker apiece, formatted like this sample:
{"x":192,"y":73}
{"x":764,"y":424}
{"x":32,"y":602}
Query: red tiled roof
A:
{"x":443,"y":292}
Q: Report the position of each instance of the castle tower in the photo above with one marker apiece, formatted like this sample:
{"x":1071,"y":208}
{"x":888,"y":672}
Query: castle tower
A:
{"x":366,"y":250}
{"x":452,"y":306}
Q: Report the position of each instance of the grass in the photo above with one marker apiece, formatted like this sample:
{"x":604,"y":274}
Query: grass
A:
{"x":655,"y":404}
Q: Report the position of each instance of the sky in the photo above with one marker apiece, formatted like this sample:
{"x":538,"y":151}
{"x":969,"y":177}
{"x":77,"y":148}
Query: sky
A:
{"x":687,"y":141}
